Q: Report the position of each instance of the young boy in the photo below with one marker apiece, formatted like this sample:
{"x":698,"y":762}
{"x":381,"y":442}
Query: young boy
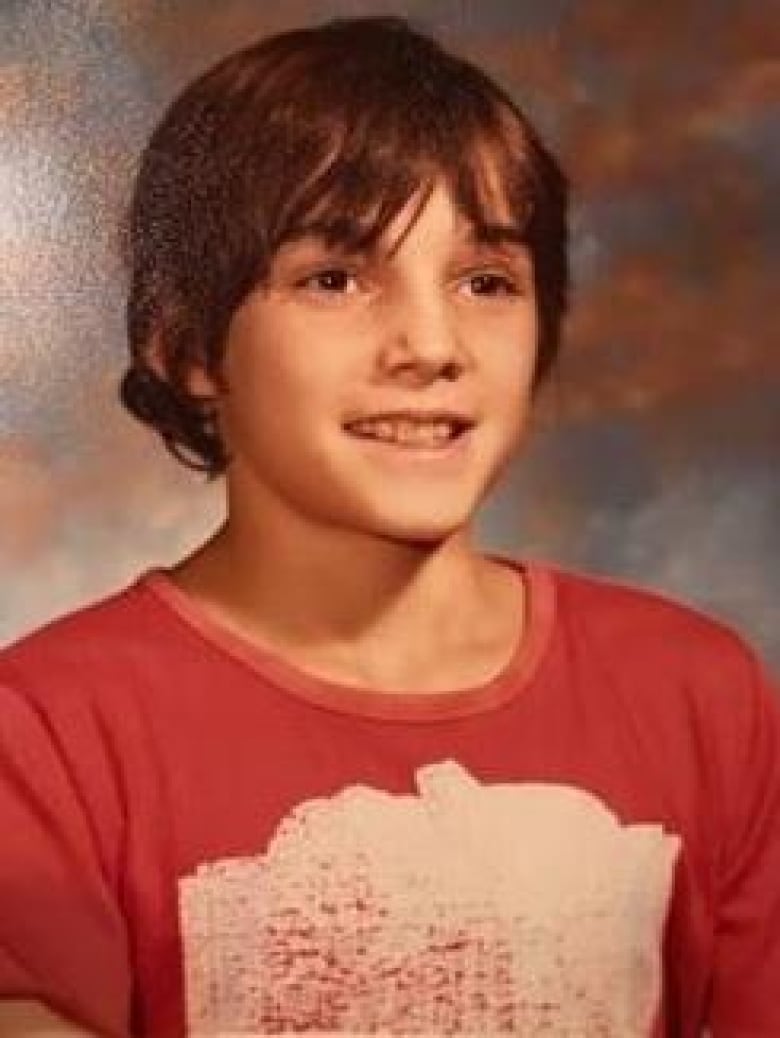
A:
{"x":337,"y":772}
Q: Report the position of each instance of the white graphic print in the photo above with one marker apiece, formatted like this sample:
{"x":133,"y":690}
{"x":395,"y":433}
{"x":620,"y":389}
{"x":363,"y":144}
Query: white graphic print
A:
{"x":523,"y":909}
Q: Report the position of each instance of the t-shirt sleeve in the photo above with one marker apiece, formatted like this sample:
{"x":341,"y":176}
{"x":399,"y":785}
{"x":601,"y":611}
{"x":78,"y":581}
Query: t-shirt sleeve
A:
{"x":62,"y":934}
{"x":746,"y":977}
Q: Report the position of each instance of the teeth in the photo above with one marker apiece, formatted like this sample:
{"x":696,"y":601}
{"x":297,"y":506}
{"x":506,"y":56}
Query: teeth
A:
{"x":422,"y":433}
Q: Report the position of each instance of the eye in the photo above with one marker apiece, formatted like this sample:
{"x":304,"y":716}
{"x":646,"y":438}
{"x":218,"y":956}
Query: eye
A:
{"x":492,"y":283}
{"x":331,"y":280}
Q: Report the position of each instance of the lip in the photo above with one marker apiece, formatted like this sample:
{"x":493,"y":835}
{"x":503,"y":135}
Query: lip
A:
{"x":461,"y":417}
{"x":450,"y":455}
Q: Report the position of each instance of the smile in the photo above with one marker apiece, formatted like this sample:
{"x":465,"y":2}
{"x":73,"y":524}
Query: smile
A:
{"x":443,"y":446}
{"x":407,"y":433}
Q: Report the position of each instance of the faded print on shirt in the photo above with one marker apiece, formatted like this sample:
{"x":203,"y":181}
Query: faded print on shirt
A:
{"x":470,"y":909}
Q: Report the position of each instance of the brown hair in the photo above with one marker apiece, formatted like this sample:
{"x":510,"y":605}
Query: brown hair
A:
{"x":332,"y":128}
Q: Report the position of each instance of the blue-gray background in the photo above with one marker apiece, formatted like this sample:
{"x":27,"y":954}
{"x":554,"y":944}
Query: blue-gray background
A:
{"x":655,"y":455}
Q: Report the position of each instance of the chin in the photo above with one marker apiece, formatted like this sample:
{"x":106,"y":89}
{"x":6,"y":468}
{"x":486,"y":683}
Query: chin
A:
{"x":429,"y":532}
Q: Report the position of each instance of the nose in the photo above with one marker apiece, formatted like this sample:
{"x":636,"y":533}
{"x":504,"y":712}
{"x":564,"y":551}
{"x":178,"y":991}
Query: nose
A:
{"x":421,"y":338}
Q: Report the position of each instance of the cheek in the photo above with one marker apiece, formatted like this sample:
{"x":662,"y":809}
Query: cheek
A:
{"x":509,"y":377}
{"x":510,"y":360}
{"x":504,"y":337}
{"x":276,"y":397}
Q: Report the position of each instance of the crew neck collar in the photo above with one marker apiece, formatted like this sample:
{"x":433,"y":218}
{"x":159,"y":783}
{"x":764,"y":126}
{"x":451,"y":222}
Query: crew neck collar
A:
{"x":535,"y":581}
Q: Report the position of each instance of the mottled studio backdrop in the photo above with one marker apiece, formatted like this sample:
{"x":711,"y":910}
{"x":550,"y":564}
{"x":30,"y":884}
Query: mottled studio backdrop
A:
{"x":656,"y":454}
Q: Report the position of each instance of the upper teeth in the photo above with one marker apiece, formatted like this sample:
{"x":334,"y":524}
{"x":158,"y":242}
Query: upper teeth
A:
{"x":405,"y":429}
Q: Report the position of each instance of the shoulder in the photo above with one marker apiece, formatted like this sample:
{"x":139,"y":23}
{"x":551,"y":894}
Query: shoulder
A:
{"x":681,"y":679}
{"x":629,"y":618}
{"x":667,"y":661}
{"x":87,"y":640}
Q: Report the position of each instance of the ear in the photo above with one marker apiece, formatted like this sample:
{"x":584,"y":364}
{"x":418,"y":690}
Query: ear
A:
{"x":198,"y":382}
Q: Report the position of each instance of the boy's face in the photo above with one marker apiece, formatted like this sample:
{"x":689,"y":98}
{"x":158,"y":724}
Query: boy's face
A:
{"x":439,"y":323}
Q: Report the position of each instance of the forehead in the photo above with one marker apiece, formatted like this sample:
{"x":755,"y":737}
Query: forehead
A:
{"x":432,"y":206}
{"x":360,"y":192}
{"x":436,"y":206}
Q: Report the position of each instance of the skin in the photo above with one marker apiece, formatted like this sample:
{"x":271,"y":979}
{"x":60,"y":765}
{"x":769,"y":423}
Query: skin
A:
{"x":353,"y":562}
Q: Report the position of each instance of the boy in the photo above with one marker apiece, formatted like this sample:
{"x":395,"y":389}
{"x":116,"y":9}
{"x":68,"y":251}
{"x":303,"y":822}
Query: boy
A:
{"x":337,"y":772}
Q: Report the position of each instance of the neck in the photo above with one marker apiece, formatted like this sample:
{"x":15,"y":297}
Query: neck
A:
{"x":364,"y":604}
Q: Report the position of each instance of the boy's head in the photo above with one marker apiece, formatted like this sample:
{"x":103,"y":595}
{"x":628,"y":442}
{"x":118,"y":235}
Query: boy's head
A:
{"x":331,"y":130}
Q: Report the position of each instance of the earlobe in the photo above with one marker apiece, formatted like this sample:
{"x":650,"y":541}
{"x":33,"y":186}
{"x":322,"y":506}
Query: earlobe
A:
{"x":200,"y":384}
{"x":197,"y":382}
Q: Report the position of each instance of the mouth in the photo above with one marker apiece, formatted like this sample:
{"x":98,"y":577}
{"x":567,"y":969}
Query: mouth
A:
{"x":451,"y":446}
{"x":439,"y":433}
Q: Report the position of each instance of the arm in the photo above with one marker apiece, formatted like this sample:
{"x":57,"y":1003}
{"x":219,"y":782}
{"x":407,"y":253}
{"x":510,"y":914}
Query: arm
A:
{"x":27,"y":1019}
{"x":63,"y":939}
{"x":746,"y":974}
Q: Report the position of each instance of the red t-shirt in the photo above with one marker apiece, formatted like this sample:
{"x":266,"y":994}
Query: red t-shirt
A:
{"x":199,"y":837}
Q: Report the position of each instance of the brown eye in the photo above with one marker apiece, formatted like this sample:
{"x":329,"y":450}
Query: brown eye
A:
{"x":492,"y":284}
{"x":331,"y":279}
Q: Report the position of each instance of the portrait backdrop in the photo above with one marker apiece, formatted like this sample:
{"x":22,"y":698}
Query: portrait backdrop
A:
{"x":656,"y":447}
